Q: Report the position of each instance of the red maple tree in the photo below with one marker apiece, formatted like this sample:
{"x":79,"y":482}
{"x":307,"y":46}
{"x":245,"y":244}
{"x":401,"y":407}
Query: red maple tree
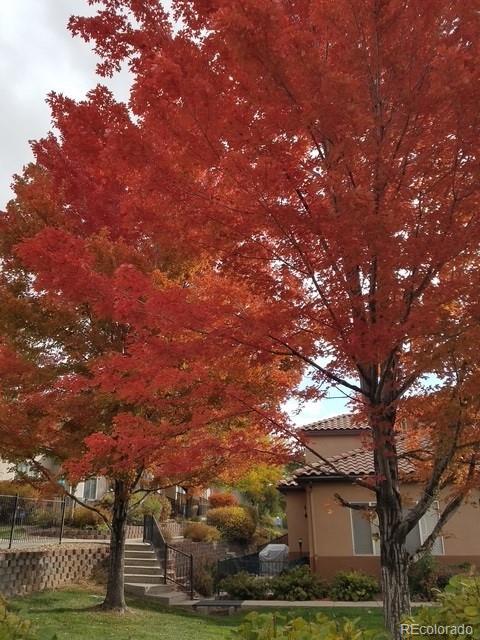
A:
{"x":103,"y":285}
{"x":327,"y":150}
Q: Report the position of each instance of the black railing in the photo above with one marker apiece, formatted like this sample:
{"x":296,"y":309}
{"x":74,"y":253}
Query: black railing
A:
{"x":24,"y":520}
{"x":177,"y":566}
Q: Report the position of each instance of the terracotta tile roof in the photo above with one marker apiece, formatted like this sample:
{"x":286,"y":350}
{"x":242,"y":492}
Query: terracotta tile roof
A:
{"x":343,"y":422}
{"x":355,"y":463}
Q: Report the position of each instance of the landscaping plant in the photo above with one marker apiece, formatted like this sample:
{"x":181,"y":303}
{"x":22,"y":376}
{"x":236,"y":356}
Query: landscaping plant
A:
{"x":201,"y":532}
{"x":353,"y":586}
{"x":458,"y":607}
{"x":268,"y":626}
{"x":298,"y":584}
{"x":235,"y":523}
{"x":245,"y":586}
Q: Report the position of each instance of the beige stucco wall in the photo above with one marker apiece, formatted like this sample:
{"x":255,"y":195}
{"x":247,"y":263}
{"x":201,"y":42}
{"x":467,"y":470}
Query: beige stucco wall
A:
{"x":329,"y":446}
{"x":330,"y":532}
{"x":297,"y":522}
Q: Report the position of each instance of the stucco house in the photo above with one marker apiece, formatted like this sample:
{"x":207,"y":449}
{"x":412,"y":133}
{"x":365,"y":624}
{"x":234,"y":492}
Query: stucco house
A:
{"x":337,"y":538}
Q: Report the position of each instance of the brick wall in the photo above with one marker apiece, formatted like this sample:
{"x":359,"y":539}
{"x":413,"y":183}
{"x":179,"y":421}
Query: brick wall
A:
{"x":25,"y":571}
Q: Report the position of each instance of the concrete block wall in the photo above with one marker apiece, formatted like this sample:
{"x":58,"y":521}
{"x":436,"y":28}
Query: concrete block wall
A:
{"x":203,"y":553}
{"x":26,"y":571}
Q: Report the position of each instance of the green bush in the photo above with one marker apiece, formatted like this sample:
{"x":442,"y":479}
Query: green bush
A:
{"x":244,"y":586}
{"x":203,"y":582}
{"x":423,"y":578}
{"x":426,"y":577}
{"x":353,"y":586}
{"x":44,"y":518}
{"x":264,"y":534}
{"x":12,"y":627}
{"x":151,"y":505}
{"x":201,"y":532}
{"x":459,"y":605}
{"x":141,"y":504}
{"x":83,"y":518}
{"x":268,"y":626}
{"x":298,"y":584}
{"x":235,"y":523}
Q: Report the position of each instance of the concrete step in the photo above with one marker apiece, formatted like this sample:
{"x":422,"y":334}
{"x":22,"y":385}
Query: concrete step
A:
{"x":169,"y":597}
{"x":141,"y":578}
{"x":131,"y":555}
{"x":142,"y":562}
{"x":138,"y":546}
{"x":142,"y":570}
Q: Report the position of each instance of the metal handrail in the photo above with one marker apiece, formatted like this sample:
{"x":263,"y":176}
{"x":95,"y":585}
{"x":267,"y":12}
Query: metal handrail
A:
{"x":153,"y":534}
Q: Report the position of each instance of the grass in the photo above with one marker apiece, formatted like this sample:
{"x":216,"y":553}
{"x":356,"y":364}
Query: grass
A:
{"x":69,"y":614}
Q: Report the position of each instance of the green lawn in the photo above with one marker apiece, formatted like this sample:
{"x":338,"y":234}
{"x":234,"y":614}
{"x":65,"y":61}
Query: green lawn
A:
{"x":69,"y":614}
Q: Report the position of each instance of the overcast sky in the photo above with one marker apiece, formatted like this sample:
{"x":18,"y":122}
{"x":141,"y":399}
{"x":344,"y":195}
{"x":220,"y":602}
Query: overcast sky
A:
{"x":38,"y":55}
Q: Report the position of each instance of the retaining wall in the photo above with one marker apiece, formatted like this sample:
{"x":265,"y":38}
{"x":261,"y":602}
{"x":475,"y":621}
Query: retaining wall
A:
{"x":203,"y":552}
{"x":28,"y":570}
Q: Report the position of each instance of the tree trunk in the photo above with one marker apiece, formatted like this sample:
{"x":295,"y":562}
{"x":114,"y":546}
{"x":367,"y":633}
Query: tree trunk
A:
{"x":115,"y":596}
{"x":396,"y":597}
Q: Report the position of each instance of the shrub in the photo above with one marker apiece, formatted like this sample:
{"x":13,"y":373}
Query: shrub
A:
{"x":244,"y":586}
{"x":353,"y":586}
{"x":203,"y":582}
{"x":422,"y":578}
{"x":12,"y":627}
{"x":152,"y":505}
{"x":459,"y":605}
{"x":234,"y":523}
{"x":426,"y":577}
{"x":142,"y":503}
{"x":298,"y":584}
{"x":84,"y":518}
{"x":222,"y":500}
{"x":201,"y":532}
{"x":12,"y":488}
{"x":264,"y":534}
{"x":44,"y":518}
{"x":263,"y":626}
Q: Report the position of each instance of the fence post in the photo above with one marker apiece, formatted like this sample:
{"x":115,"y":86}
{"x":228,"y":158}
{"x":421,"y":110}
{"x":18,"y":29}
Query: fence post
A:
{"x":62,"y":522}
{"x":12,"y":529}
{"x":165,"y":560}
{"x":191,"y":577}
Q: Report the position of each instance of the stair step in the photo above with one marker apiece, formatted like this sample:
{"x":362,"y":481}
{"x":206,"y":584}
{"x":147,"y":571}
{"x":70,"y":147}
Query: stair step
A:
{"x":169,"y":597}
{"x":140,"y":570}
{"x":142,"y":562}
{"x":138,"y":546}
{"x":142,"y":578}
{"x":139,"y":554}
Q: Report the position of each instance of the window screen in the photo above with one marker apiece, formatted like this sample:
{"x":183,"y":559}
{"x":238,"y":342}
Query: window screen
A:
{"x":362,"y":533}
{"x":90,"y":489}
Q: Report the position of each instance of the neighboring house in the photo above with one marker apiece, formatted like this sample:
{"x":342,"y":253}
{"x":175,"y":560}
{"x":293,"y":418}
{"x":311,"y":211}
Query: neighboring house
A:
{"x":337,"y":538}
{"x":6,"y":472}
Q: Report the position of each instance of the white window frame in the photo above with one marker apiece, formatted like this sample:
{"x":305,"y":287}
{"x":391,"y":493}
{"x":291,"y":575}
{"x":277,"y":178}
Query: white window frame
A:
{"x":85,"y":489}
{"x":375,"y":538}
{"x":424,"y":534}
{"x":375,"y":541}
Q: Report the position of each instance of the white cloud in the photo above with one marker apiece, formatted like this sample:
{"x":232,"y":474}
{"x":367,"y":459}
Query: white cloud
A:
{"x":39,"y":55}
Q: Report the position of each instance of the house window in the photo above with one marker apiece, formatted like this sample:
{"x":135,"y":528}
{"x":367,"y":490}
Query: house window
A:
{"x":90,"y":489}
{"x":365,"y":535}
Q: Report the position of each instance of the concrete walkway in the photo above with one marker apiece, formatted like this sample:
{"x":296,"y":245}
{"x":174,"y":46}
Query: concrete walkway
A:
{"x":308,"y":604}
